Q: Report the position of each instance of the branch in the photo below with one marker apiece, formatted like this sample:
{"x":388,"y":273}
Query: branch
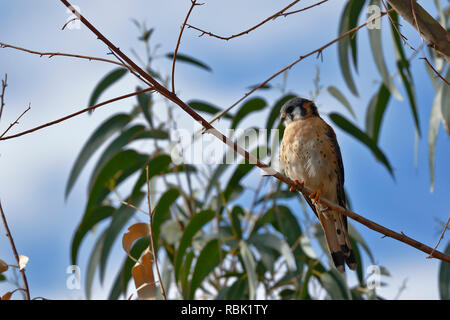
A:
{"x":152,"y":244}
{"x":2,"y":96}
{"x":252,"y":159}
{"x":193,"y":4}
{"x":318,"y":51}
{"x":75,"y":114}
{"x":434,"y":69}
{"x":272,"y":17}
{"x":53,"y":54}
{"x":16,"y":255}
{"x":437,"y":37}
{"x":15,"y":122}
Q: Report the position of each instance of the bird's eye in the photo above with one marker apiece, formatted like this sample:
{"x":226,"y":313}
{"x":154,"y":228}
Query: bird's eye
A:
{"x":289,"y":110}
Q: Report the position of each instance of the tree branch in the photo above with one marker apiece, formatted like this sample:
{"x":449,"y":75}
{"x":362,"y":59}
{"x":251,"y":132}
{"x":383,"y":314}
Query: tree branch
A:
{"x":16,"y":254}
{"x":54,"y":54}
{"x":75,"y":114}
{"x":437,"y":37}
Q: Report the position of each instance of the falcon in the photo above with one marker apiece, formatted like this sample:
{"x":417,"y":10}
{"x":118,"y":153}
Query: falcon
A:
{"x":310,"y":155}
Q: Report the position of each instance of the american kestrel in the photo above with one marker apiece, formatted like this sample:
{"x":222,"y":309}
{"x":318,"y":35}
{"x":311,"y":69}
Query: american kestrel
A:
{"x":310,"y":155}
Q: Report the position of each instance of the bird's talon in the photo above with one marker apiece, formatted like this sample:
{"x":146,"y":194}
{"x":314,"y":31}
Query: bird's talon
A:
{"x":298,"y":184}
{"x":316,"y":196}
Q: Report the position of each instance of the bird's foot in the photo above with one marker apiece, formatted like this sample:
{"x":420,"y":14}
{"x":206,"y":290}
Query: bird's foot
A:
{"x":298,"y":183}
{"x":316,"y":195}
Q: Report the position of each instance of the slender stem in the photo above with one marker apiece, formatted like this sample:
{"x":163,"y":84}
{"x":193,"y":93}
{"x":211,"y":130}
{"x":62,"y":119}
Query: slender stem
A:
{"x":2,"y":96}
{"x":16,"y":255}
{"x":61,"y":54}
{"x":15,"y":122}
{"x":75,"y":114}
{"x":193,"y":4}
{"x":155,"y":258}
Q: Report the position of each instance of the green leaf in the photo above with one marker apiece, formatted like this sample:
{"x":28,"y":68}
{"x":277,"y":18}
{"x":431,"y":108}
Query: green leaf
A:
{"x":237,"y":291}
{"x":145,"y":102}
{"x":236,"y":222}
{"x":377,"y":51}
{"x":117,"y":144}
{"x":252,"y":105}
{"x":351,"y":129}
{"x":445,"y":105}
{"x":118,"y":222}
{"x":105,"y":131}
{"x":194,"y":226}
{"x":91,"y":219}
{"x":185,"y":272}
{"x":190,"y":60}
{"x":375,"y":112}
{"x":275,"y":243}
{"x":250,"y":267}
{"x":241,"y":171}
{"x":208,"y":259}
{"x":162,"y":212}
{"x":335,"y":285}
{"x":444,"y":277}
{"x":94,"y":260}
{"x":147,"y":34}
{"x":403,"y":67}
{"x":115,"y":171}
{"x":356,"y":7}
{"x":435,"y":120}
{"x":105,"y":83}
{"x":343,"y":50}
{"x":354,"y":234}
{"x":203,"y":106}
{"x":341,"y":98}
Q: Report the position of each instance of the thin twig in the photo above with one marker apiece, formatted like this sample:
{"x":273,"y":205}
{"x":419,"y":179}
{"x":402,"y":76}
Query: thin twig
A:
{"x":435,"y":71}
{"x":303,"y":9}
{"x":275,"y":15}
{"x":2,"y":96}
{"x":319,"y":50}
{"x":54,"y":54}
{"x":155,"y":258}
{"x":413,"y":10}
{"x":75,"y":114}
{"x":193,"y":4}
{"x":442,"y":236}
{"x":396,"y":29}
{"x":15,"y":122}
{"x":70,"y":21}
{"x":16,"y":254}
{"x":252,"y":159}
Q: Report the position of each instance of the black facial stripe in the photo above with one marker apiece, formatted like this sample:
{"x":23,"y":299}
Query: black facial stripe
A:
{"x":303,"y":111}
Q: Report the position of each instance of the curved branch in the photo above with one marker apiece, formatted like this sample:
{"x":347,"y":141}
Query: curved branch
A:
{"x":252,"y":159}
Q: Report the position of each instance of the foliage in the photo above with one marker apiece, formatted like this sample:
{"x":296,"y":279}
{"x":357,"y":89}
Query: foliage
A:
{"x":210,"y":240}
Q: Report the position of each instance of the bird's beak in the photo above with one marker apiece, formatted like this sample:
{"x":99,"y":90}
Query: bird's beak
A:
{"x":283,"y":115}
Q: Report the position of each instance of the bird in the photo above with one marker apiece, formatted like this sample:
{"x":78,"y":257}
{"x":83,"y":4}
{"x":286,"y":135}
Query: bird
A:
{"x":310,"y":156}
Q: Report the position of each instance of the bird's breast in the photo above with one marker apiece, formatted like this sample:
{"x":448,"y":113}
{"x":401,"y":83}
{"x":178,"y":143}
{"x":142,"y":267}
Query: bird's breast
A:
{"x":304,"y":155}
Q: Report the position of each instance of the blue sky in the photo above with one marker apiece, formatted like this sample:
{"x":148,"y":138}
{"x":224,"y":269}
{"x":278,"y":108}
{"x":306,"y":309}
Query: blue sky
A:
{"x":34,"y":168}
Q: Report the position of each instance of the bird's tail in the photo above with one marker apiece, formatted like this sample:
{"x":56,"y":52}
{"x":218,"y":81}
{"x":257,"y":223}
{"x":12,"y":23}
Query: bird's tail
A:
{"x":338,"y":241}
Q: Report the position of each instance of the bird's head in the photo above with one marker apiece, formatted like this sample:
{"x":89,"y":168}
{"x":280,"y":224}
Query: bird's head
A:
{"x":298,"y":109}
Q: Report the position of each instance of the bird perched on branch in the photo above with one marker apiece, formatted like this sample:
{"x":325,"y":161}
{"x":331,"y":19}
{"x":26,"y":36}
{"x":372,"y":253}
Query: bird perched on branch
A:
{"x":310,"y":155}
